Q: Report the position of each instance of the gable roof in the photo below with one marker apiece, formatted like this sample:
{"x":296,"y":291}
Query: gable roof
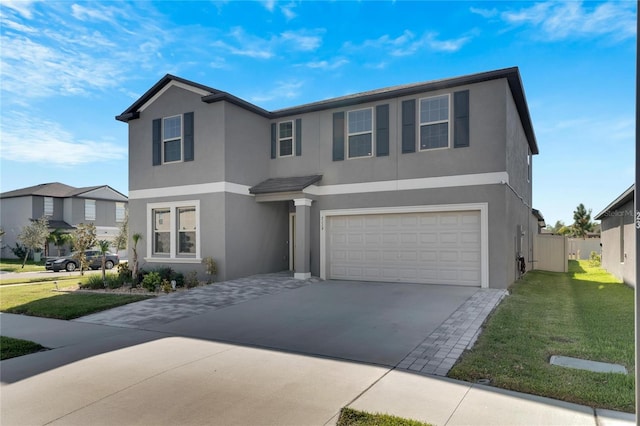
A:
{"x":59,"y":190}
{"x":511,"y":74}
{"x":623,"y":199}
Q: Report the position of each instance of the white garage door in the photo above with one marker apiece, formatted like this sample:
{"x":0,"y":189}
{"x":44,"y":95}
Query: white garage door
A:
{"x":427,"y":247}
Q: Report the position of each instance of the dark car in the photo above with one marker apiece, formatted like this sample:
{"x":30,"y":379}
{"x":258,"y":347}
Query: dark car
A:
{"x":71,"y":263}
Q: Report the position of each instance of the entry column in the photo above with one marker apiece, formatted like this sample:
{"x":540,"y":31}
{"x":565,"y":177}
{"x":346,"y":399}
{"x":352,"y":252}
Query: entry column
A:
{"x":302,"y":257}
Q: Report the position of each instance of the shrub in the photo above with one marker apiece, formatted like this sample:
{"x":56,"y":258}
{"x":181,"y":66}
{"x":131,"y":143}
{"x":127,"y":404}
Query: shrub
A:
{"x":151,"y":281}
{"x":19,"y":251}
{"x":594,"y":259}
{"x":167,"y":273}
{"x":191,"y":280}
{"x":94,"y":282}
{"x":211,"y":267}
{"x":166,"y":286}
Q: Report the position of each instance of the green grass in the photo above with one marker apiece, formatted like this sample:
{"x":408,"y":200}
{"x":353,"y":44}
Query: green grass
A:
{"x":585,"y":313}
{"x":15,"y":265}
{"x":62,"y":280}
{"x":41,"y":301}
{"x":350,"y":417}
{"x":11,"y":348}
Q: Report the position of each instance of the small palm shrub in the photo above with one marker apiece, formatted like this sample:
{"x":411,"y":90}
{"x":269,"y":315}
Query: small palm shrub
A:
{"x":94,"y":282}
{"x":191,"y":280}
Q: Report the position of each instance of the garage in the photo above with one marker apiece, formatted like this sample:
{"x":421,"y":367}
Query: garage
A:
{"x":431,"y":247}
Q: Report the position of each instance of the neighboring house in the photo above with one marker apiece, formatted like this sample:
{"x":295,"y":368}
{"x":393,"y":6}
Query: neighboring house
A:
{"x":65,"y":207}
{"x":618,"y":236}
{"x":420,"y":183}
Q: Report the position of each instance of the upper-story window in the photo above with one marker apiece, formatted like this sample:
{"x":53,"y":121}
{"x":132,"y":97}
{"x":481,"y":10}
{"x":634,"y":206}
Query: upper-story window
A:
{"x":285,"y":139}
{"x":120,"y":212}
{"x":434,"y":122}
{"x":172,"y":139}
{"x":360,"y":133}
{"x":89,"y":209}
{"x":48,"y":206}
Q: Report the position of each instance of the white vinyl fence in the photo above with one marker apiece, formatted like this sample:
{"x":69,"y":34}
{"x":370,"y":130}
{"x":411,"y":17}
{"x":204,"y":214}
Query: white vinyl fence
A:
{"x":550,"y":253}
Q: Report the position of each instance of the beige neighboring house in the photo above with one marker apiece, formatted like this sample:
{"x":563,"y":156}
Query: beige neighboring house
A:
{"x":65,"y":207}
{"x":618,"y":237}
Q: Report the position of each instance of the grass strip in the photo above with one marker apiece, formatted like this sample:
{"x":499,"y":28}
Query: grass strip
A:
{"x":11,"y":348}
{"x":585,"y":313}
{"x":62,"y":280}
{"x":15,"y":265}
{"x":41,"y":301}
{"x":351,"y":417}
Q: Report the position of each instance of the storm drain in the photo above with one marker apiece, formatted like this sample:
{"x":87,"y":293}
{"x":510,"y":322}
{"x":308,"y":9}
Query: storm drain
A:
{"x":583,"y":364}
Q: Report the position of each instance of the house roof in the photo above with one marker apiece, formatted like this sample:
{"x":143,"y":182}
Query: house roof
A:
{"x":538,"y":216}
{"x":511,"y":74}
{"x":60,"y":224}
{"x":55,"y":189}
{"x":289,"y":184}
{"x":623,"y":199}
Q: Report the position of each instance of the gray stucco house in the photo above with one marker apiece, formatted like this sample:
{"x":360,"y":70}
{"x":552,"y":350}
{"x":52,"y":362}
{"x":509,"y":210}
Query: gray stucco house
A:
{"x":618,"y":237}
{"x":420,"y":183}
{"x":64,"y":206}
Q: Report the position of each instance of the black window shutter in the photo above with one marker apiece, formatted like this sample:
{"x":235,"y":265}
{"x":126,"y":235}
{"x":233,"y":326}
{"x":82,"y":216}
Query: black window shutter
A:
{"x":382,"y":130}
{"x":409,"y":126}
{"x":188,"y":137}
{"x":298,"y":136}
{"x":274,"y":143}
{"x":461,"y":119}
{"x":157,"y":141}
{"x":338,"y":136}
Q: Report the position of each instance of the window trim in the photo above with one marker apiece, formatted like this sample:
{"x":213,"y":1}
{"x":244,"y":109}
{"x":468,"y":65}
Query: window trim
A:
{"x":448,"y":121}
{"x":164,"y":140}
{"x":173,"y":255}
{"x":88,"y":202}
{"x":44,"y":207}
{"x":280,"y":138}
{"x":349,"y":134}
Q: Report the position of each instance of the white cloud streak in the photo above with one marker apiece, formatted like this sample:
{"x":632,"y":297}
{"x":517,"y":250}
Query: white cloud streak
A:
{"x":31,"y":140}
{"x":555,"y":21}
{"x":243,"y":44}
{"x":408,"y":43}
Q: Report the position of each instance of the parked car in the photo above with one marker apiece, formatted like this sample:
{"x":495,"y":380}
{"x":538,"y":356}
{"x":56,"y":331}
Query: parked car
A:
{"x":71,"y":263}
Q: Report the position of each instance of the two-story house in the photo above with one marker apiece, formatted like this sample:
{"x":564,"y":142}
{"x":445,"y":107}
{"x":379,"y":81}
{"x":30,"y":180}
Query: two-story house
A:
{"x":64,"y":206}
{"x":420,"y":183}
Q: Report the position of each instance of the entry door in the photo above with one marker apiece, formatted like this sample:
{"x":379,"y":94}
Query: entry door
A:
{"x":425,"y":247}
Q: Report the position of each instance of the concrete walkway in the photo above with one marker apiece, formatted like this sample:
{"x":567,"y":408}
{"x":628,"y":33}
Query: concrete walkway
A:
{"x":125,"y":374}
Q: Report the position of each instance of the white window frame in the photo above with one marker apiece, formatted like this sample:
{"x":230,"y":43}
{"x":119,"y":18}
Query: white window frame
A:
{"x":429,"y":123}
{"x":120,"y":207}
{"x":48,"y":206}
{"x":165,"y":139}
{"x":173,"y":255}
{"x":89,"y":205}
{"x":349,"y":134}
{"x":281,"y":139}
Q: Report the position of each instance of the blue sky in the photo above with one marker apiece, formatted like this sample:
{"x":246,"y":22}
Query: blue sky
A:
{"x":67,"y":68}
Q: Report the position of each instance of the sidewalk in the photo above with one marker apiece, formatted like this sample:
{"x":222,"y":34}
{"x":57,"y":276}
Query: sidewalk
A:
{"x":100,"y":374}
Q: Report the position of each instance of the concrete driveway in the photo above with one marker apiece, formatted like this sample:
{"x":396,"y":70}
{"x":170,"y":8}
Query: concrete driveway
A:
{"x":376,"y":323}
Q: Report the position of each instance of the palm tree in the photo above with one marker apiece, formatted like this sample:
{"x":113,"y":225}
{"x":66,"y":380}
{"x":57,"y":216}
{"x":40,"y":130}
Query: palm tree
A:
{"x":134,"y":274}
{"x":103,"y":246}
{"x":58,"y":237}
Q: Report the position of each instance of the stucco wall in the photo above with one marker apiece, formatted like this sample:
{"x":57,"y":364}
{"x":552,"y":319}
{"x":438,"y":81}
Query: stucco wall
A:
{"x":621,"y":265}
{"x":14,"y":214}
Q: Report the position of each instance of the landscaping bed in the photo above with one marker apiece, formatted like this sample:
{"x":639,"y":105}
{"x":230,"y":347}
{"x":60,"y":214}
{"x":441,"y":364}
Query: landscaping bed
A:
{"x":585,"y":313}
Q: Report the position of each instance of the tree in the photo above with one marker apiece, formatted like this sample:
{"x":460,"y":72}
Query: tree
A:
{"x":120,"y":242}
{"x":134,"y":274}
{"x":555,"y":228}
{"x":59,"y":238}
{"x":582,"y":221}
{"x":34,"y":236}
{"x":103,"y":246}
{"x":84,"y":238}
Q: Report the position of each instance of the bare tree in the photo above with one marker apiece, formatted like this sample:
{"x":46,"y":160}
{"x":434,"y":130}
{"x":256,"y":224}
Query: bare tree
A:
{"x":84,"y":238}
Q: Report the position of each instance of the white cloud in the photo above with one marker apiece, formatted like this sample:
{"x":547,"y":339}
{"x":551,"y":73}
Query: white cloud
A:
{"x":570,"y":20}
{"x":269,"y":5}
{"x":302,"y":40}
{"x":283,"y":90}
{"x":26,"y":139}
{"x":485,"y":13}
{"x":243,"y":44}
{"x":409,"y":44}
{"x":288,"y":12}
{"x":22,"y":7}
{"x":326,"y":65}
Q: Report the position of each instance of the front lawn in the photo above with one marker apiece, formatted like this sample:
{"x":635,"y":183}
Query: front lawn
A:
{"x":15,"y":265}
{"x":585,"y":313}
{"x":351,"y":417}
{"x":41,"y":301}
{"x":11,"y":348}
